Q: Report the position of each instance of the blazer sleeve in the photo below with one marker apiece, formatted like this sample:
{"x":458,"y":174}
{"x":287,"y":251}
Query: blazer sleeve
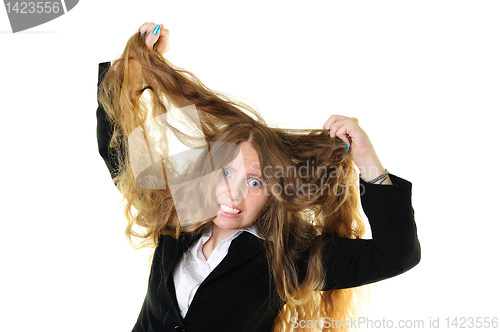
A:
{"x":394,"y":247}
{"x":104,"y":129}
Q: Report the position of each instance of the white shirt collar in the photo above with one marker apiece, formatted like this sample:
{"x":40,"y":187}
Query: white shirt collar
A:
{"x":252,"y":229}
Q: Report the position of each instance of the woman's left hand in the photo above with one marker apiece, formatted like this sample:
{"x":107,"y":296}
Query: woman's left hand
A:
{"x":361,"y":149}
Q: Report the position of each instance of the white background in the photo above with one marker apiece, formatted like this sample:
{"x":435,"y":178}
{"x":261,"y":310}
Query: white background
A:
{"x":422,"y":77}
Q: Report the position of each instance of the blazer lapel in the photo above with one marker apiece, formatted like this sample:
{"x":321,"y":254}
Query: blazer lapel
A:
{"x":242,"y":248}
{"x":181,"y":245}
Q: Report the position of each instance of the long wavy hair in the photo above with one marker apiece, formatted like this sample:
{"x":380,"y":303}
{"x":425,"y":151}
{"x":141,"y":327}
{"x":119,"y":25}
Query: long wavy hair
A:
{"x":317,"y":207}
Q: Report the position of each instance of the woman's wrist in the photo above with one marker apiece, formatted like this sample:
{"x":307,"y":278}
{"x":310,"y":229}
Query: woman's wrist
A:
{"x":371,"y":169}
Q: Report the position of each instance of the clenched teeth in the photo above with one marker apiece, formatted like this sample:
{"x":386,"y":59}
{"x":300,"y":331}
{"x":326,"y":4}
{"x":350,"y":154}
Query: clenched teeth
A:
{"x":228,"y":209}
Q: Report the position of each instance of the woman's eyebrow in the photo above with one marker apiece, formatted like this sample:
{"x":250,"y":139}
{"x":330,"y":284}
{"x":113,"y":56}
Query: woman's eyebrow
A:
{"x":248,"y":174}
{"x":256,"y":175}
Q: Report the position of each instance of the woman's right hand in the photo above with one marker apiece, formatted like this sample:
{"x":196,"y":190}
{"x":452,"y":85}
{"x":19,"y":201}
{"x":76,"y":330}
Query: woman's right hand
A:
{"x":160,"y":41}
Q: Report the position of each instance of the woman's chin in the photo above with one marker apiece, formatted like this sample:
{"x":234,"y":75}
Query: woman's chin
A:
{"x":225,"y":223}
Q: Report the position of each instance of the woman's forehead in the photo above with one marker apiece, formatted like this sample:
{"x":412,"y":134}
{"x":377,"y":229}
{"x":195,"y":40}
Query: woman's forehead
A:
{"x":247,"y":160}
{"x":249,"y":153}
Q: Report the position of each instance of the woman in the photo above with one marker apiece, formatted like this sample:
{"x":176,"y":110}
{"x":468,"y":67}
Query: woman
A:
{"x":262,"y":230}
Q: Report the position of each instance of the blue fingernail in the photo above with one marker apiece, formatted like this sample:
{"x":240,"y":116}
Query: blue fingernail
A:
{"x":347,"y":146}
{"x":328,"y":134}
{"x":140,"y":35}
{"x":155,"y":31}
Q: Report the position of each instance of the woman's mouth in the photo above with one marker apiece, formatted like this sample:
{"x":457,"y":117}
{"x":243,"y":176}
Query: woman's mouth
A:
{"x":229,"y":212}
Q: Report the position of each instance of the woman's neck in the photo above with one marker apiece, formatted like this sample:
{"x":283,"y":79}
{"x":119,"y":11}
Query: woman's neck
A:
{"x":218,"y":235}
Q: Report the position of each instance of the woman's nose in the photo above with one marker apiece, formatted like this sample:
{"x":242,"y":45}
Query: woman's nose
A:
{"x":238,"y":189}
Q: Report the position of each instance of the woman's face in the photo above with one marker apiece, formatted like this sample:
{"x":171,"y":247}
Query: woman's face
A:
{"x":240,"y":186}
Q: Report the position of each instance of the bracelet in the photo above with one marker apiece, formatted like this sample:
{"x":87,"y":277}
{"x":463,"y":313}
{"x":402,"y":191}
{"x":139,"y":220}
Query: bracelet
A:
{"x":378,"y":178}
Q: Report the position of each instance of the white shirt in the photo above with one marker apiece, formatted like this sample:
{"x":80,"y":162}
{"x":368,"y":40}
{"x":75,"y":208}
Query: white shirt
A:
{"x":193,"y":268}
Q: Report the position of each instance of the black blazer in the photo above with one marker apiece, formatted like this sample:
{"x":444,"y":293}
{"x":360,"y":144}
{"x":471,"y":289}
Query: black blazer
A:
{"x":239,"y":295}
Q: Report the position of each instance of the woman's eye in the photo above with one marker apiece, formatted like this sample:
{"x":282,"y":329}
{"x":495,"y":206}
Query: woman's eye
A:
{"x":226,"y":172}
{"x":255,"y":183}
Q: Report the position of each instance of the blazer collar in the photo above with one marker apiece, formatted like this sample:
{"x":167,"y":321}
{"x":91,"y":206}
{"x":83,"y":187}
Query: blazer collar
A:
{"x":246,"y":245}
{"x":242,"y":248}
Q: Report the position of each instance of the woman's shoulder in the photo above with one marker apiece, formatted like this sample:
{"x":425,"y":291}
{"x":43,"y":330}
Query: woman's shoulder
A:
{"x":183,"y":237}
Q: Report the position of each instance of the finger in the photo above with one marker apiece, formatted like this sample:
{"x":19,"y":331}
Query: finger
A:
{"x":332,"y":130}
{"x":334,"y":126}
{"x":337,"y":118}
{"x":340,"y":132}
{"x":164,"y":41}
{"x":343,"y":132}
{"x":146,"y":31}
{"x":153,"y":36}
{"x":147,"y":26}
{"x":345,"y":140}
{"x":333,"y":119}
{"x":329,"y":122}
